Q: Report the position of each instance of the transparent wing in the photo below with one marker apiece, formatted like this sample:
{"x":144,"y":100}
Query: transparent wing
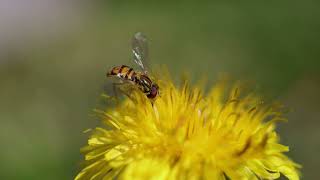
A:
{"x":140,"y":51}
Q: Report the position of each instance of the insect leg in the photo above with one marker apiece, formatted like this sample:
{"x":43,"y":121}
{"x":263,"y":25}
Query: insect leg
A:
{"x":117,"y":87}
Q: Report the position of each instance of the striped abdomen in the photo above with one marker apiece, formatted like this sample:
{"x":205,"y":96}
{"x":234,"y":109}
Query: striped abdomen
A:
{"x":142,"y":81}
{"x":124,"y":72}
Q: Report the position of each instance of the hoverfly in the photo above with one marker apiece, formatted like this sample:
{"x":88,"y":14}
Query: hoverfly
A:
{"x":140,"y":79}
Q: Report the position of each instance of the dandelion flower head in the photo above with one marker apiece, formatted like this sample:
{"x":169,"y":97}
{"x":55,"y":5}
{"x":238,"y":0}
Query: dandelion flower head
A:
{"x":186,"y":134}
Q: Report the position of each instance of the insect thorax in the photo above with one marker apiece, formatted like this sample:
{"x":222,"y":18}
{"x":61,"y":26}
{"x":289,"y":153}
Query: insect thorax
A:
{"x":144,"y":82}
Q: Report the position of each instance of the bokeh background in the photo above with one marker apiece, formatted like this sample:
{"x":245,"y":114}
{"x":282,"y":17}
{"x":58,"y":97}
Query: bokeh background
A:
{"x":54,"y":55}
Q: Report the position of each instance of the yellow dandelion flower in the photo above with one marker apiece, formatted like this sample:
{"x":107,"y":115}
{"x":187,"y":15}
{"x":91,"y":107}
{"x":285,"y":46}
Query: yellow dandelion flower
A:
{"x":185,"y":134}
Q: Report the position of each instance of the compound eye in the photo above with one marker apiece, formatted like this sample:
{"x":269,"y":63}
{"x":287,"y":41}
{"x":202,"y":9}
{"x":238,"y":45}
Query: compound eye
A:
{"x":153,"y":92}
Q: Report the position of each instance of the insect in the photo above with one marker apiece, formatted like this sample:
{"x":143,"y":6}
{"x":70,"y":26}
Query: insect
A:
{"x":139,"y":79}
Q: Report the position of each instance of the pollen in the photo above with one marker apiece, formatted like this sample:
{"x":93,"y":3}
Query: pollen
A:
{"x":186,"y":134}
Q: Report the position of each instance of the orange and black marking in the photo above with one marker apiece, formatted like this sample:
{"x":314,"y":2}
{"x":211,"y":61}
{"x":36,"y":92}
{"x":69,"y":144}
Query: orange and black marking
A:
{"x":141,"y":80}
{"x":124,"y":72}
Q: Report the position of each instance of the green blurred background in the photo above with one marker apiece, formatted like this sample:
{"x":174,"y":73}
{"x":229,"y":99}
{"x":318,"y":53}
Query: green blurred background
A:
{"x":54,"y":55}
